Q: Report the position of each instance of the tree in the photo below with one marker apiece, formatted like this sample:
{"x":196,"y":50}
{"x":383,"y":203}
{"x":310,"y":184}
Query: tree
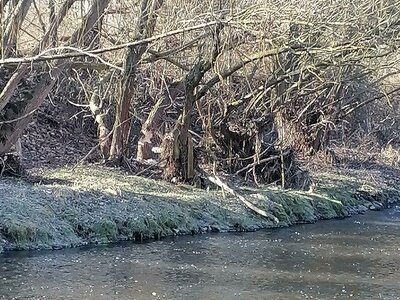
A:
{"x":144,"y":28}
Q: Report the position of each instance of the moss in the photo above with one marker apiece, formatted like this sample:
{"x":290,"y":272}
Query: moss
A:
{"x":104,"y":231}
{"x":17,"y":234}
{"x":325,"y":209}
{"x":24,"y":234}
{"x":303,"y":210}
{"x":279,"y":212}
{"x":93,"y":204}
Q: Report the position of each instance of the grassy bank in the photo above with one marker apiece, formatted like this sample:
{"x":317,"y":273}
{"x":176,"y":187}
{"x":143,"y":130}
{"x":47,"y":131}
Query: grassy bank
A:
{"x":98,"y":205}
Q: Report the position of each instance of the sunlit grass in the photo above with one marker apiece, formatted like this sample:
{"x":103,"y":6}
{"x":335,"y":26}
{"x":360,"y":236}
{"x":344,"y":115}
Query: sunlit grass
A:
{"x":100,"y":205}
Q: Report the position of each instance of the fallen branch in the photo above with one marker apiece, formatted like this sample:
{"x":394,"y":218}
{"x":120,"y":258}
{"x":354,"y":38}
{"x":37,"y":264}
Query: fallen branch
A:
{"x":216,"y":180}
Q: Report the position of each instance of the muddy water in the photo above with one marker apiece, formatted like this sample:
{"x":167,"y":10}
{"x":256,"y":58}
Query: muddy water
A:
{"x":356,"y":258}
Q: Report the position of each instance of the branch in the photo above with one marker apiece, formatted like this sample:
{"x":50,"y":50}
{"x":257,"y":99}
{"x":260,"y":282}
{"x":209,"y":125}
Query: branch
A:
{"x":43,"y":57}
{"x":256,"y":163}
{"x":361,"y":104}
{"x":213,"y":81}
{"x":297,"y":51}
{"x":216,"y":180}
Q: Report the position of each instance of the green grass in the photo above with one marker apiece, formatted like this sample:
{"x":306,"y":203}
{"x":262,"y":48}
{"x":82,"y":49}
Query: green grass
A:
{"x":101,"y":205}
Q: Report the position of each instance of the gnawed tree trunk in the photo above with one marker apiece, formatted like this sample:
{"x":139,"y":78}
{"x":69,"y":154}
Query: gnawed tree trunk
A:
{"x":178,"y":146}
{"x":99,"y":115}
{"x":23,"y":115}
{"x":152,"y":131}
{"x":149,"y":131}
{"x":145,"y":28}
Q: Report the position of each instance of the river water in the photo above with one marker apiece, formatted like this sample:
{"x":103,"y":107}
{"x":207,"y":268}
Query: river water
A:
{"x":356,"y":258}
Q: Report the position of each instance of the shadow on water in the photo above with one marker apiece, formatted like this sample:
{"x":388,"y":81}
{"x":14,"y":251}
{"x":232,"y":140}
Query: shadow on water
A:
{"x":354,"y":258}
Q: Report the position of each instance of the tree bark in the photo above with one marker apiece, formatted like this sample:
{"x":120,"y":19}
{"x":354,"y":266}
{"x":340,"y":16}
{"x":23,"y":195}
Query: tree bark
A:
{"x":182,"y":162}
{"x":97,"y":110}
{"x":52,"y":18}
{"x":144,"y":29}
{"x":3,"y":3}
{"x":22,"y":70}
{"x":151,"y":127}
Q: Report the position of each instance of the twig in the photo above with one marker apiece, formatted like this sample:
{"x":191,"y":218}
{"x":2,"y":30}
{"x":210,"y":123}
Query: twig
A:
{"x":261,"y":162}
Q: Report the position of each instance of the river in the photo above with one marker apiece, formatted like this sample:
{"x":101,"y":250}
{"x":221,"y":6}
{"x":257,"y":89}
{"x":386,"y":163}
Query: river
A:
{"x":355,"y":258}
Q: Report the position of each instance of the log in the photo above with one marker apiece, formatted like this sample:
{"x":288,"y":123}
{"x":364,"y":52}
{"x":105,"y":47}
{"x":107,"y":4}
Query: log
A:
{"x":216,"y":180}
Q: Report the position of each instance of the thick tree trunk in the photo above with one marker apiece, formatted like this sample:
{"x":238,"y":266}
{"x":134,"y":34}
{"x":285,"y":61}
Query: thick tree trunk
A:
{"x":181,"y":164}
{"x":145,"y":28}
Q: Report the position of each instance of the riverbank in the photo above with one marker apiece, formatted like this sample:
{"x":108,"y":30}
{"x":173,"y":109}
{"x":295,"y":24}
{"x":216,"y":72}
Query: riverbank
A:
{"x":69,"y":208}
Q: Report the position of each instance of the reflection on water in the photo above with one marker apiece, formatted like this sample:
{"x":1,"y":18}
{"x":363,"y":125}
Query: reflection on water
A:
{"x":355,"y":258}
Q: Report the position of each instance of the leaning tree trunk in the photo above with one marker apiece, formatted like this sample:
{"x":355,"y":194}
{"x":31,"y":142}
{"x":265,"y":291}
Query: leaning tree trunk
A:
{"x":145,"y":28}
{"x":15,"y":79}
{"x":11,"y":164}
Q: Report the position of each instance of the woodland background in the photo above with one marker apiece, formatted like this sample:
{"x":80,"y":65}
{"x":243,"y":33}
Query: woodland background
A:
{"x":178,"y":89}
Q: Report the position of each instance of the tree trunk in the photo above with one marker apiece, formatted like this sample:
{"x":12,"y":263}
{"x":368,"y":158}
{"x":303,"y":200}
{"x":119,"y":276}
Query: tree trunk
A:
{"x":181,"y":164}
{"x":152,"y":131}
{"x":3,"y":4}
{"x":98,"y":113}
{"x":52,"y":18}
{"x":9,"y":48}
{"x":13,"y":82}
{"x":145,"y":28}
{"x":149,"y":130}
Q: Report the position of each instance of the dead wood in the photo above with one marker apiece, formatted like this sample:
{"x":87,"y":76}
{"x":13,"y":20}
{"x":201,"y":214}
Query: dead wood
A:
{"x":216,"y":180}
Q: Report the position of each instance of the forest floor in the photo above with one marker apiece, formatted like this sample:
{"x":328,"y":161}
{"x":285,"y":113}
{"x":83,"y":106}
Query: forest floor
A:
{"x":63,"y":204}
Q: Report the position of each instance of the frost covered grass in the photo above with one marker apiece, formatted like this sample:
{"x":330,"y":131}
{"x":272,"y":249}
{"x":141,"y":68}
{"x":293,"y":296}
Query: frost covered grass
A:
{"x":100,"y":205}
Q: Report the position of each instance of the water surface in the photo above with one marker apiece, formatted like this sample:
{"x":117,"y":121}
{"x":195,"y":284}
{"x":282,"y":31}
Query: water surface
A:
{"x":355,"y":258}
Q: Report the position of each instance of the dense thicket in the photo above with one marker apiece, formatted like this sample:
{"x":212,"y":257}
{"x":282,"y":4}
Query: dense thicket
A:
{"x":194,"y":86}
